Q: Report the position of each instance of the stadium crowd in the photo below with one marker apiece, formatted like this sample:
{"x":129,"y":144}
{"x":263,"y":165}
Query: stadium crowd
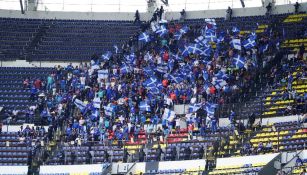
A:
{"x":134,"y":88}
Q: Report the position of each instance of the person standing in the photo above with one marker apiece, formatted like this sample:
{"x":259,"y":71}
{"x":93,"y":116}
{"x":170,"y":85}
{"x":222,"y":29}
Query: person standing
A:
{"x":296,"y":6}
{"x":137,"y":17}
{"x":72,"y":158}
{"x":159,"y":152}
{"x":125,"y":156}
{"x":161,"y":13}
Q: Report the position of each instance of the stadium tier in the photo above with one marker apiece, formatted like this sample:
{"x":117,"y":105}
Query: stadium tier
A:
{"x":178,"y":97}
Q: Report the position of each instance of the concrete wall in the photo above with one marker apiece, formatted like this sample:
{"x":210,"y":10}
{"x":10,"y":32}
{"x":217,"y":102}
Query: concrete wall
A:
{"x":233,"y":161}
{"x":145,"y":16}
{"x":24,"y":63}
{"x":14,"y":170}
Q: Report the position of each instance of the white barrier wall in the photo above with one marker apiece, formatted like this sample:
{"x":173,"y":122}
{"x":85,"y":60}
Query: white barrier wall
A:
{"x":14,"y":170}
{"x":50,"y":169}
{"x":145,"y":16}
{"x":187,"y":164}
{"x":232,"y":161}
{"x":163,"y":165}
{"x":121,"y":167}
{"x":24,"y":63}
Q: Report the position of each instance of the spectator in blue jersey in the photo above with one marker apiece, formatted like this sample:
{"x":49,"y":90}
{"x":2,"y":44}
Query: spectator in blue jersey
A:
{"x":213,"y":124}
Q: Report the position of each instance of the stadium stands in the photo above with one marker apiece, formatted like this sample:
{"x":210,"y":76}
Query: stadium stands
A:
{"x":119,"y":107}
{"x":73,"y":40}
{"x":15,"y":96}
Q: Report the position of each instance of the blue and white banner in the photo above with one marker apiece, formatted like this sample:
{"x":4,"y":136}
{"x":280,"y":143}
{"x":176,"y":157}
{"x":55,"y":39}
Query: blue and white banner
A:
{"x":144,"y":37}
{"x":169,"y":114}
{"x":96,"y":102}
{"x":249,"y":43}
{"x":106,"y":56}
{"x":80,"y":104}
{"x":108,"y":110}
{"x":236,"y":44}
{"x":144,"y":106}
{"x":239,"y":61}
{"x":103,"y":74}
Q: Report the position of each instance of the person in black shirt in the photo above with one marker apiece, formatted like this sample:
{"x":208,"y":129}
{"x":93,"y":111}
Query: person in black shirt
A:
{"x":296,"y":6}
{"x":268,"y":9}
{"x":106,"y":156}
{"x":72,"y":158}
{"x":88,"y":157}
{"x":137,"y":17}
{"x":125,"y":156}
{"x":228,"y":14}
{"x":141,"y":155}
{"x":301,"y":52}
{"x":251,"y":120}
{"x":182,"y":15}
{"x":159,"y":152}
{"x":161,"y":13}
{"x":187,"y":153}
{"x":62,"y":157}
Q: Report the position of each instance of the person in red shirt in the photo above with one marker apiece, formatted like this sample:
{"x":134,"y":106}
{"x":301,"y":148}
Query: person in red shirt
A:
{"x":165,"y":83}
{"x":184,"y":98}
{"x":37,"y":83}
{"x":190,"y":130}
{"x":173,"y":97}
{"x":212,"y":90}
{"x":165,"y":56}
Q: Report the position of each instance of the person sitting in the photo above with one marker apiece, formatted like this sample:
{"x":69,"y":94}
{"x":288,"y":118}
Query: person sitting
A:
{"x":269,"y":146}
{"x":260,"y":147}
{"x":299,"y":161}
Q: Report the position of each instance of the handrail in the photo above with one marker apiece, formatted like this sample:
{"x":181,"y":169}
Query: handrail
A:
{"x":129,"y":170}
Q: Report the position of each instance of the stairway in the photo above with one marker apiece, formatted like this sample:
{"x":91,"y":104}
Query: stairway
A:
{"x":35,"y":41}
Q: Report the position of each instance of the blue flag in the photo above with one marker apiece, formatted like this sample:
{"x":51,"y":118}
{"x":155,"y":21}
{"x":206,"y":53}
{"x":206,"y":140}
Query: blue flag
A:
{"x":80,"y":104}
{"x":238,"y":61}
{"x":235,"y":30}
{"x":175,"y":78}
{"x":194,"y":107}
{"x":148,"y":71}
{"x":210,"y":35}
{"x":130,"y":58}
{"x":104,"y":73}
{"x":108,"y":110}
{"x":201,"y":40}
{"x":106,"y":56}
{"x":194,"y":49}
{"x":162,"y":68}
{"x":168,"y":115}
{"x":264,"y":48}
{"x":177,"y":35}
{"x":185,"y":51}
{"x":125,"y":69}
{"x":144,"y":106}
{"x":249,"y":43}
{"x":210,"y":108}
{"x":206,"y":50}
{"x":236,"y":44}
{"x":184,"y":29}
{"x":162,"y":31}
{"x":116,"y":48}
{"x":219,"y":83}
{"x":144,"y":37}
{"x":150,"y":82}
